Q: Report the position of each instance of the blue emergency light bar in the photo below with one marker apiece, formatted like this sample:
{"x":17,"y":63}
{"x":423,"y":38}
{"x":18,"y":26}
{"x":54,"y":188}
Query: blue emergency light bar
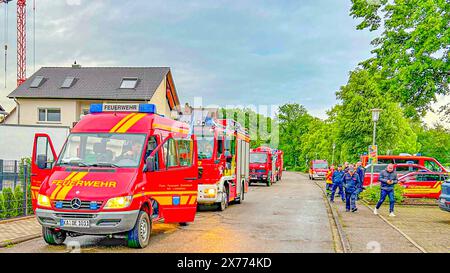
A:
{"x":123,"y":107}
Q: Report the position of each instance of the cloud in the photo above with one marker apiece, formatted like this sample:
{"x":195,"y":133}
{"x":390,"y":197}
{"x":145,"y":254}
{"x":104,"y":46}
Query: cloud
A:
{"x":228,"y":52}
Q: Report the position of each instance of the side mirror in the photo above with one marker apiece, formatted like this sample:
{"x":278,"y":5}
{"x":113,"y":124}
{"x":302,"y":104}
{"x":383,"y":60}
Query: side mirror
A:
{"x":150,"y":164}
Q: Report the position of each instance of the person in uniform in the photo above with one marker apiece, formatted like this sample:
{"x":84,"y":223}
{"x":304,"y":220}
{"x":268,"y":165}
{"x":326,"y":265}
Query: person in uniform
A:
{"x":337,"y":183}
{"x":351,"y":183}
{"x":388,"y":179}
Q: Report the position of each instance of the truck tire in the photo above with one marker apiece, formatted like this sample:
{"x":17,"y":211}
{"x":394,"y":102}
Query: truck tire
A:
{"x":139,"y":236}
{"x":241,"y":196}
{"x":53,"y":237}
{"x":224,"y":204}
{"x":269,"y":182}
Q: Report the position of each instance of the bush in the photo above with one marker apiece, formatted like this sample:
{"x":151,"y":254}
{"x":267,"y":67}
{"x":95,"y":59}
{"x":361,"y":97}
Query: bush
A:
{"x":8,"y":199}
{"x":19,"y":200}
{"x":29,"y":202}
{"x":3,"y":214}
{"x":372,"y":194}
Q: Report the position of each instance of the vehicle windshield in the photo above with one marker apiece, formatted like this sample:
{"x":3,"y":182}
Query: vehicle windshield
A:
{"x":258,"y":158}
{"x":320,"y":165}
{"x":205,"y":147}
{"x":103,"y":150}
{"x":378,"y":168}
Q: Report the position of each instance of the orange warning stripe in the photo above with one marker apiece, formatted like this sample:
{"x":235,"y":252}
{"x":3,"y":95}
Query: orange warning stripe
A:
{"x":132,"y":121}
{"x":66,"y":189}
{"x":121,"y":122}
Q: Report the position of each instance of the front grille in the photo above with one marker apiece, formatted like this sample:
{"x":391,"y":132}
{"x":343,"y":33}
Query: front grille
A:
{"x":76,"y":215}
{"x":86,"y":205}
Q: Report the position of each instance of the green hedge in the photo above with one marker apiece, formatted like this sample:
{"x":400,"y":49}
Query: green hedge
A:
{"x":372,"y":194}
{"x":12,"y":203}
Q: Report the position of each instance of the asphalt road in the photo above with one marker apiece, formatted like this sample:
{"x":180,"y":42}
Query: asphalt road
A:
{"x":290,"y":216}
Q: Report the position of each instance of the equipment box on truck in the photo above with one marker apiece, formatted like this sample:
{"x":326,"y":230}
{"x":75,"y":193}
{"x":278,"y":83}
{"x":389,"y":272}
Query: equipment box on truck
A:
{"x":122,"y":168}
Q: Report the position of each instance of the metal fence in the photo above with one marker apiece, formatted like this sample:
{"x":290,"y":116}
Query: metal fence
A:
{"x":15,"y":190}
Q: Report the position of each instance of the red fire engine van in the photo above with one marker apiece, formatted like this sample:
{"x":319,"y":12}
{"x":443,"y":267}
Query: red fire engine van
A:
{"x":428,"y":162}
{"x":223,"y":154}
{"x":318,"y":169}
{"x":122,"y":168}
{"x":263,"y":167}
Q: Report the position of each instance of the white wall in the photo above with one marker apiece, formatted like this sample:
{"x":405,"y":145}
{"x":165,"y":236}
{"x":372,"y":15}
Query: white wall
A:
{"x":16,"y":141}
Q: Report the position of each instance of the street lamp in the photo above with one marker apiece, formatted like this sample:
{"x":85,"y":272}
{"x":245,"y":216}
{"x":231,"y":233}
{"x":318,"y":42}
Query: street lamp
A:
{"x":375,"y":117}
{"x":332,"y":160}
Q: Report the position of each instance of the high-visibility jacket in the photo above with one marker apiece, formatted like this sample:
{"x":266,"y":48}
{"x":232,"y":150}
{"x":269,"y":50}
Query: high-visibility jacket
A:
{"x":329,"y":176}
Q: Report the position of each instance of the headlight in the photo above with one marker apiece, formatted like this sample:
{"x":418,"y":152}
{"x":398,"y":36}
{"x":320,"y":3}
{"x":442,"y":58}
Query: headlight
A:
{"x":43,"y":201}
{"x":210,"y":192}
{"x":118,"y":202}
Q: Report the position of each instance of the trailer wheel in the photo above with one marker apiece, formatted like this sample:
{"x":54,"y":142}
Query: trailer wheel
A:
{"x":53,"y":237}
{"x":139,"y":236}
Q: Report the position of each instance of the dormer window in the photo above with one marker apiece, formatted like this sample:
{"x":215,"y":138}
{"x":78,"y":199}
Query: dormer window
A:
{"x":128,"y":83}
{"x":68,"y":82}
{"x":37,"y":81}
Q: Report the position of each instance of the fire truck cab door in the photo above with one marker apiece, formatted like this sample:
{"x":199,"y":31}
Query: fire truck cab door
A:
{"x":42,"y":161}
{"x":174,"y":183}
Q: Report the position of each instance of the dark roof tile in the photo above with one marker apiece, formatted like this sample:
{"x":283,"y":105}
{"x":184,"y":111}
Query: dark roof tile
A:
{"x":93,"y":83}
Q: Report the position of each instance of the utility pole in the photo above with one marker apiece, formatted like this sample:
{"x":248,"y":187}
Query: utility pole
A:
{"x":375,"y":118}
{"x":334,"y":147}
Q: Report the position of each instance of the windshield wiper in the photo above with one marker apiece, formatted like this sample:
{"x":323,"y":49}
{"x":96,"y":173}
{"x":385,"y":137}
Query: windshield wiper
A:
{"x":104,"y":164}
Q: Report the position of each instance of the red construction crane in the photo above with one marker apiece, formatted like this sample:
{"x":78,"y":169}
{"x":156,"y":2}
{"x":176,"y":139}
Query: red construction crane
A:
{"x":21,"y":41}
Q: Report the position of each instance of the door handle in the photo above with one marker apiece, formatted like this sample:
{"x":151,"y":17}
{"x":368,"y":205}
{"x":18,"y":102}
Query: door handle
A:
{"x":190,"y":178}
{"x":33,"y":174}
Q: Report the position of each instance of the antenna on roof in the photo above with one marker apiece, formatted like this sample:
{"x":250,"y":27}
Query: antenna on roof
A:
{"x":75,"y":65}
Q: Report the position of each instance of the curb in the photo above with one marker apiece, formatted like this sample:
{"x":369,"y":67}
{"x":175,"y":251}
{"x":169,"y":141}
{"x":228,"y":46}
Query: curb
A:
{"x":345,"y":244}
{"x":16,"y":219}
{"x":19,"y":240}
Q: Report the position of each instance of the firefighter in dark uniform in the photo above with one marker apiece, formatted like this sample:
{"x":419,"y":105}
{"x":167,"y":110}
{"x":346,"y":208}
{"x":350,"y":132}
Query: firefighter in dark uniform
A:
{"x":351,"y":183}
{"x":337,"y":183}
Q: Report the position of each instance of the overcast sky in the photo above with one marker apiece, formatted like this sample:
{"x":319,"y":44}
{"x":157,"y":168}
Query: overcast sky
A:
{"x":227,"y":52}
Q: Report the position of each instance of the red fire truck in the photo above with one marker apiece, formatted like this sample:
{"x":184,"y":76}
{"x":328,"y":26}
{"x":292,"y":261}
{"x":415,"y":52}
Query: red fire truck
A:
{"x":263,"y":166}
{"x":122,"y":168}
{"x":223,"y":154}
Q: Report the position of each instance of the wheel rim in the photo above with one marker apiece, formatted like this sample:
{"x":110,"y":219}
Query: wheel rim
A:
{"x":143,"y":230}
{"x":224,"y":199}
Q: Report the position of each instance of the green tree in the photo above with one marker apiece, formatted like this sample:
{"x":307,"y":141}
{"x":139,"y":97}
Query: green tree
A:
{"x":294,"y":125}
{"x":354,"y":120}
{"x":411,"y":54}
{"x":435,"y":142}
{"x":262,"y":129}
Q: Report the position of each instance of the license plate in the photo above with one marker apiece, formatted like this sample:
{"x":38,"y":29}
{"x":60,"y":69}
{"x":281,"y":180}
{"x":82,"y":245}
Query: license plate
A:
{"x":74,"y":223}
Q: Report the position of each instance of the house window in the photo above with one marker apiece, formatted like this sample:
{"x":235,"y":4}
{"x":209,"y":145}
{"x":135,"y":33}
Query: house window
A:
{"x":68,"y":82}
{"x":128,"y":83}
{"x":49,"y":115}
{"x":37,"y":81}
